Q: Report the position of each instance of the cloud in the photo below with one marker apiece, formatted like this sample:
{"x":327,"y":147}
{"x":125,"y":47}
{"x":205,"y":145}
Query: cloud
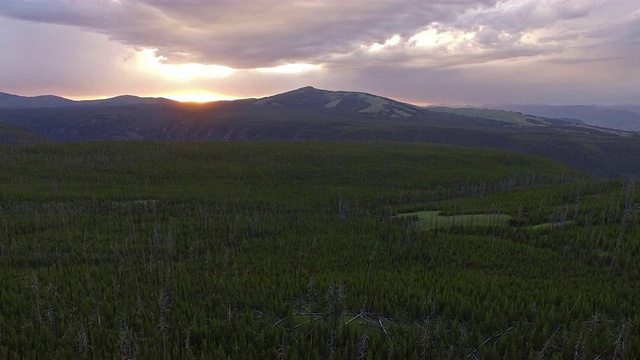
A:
{"x":34,"y":61}
{"x":243,"y":34}
{"x":250,"y":34}
{"x":415,"y":49}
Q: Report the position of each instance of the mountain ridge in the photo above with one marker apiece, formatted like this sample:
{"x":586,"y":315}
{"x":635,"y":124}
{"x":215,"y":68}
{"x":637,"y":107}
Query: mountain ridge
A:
{"x":16,"y":101}
{"x":310,"y":114}
{"x":11,"y":101}
{"x":622,"y":117}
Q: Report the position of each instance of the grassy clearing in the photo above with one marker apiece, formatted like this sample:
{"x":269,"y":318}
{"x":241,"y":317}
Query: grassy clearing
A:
{"x":547,"y":225}
{"x":427,"y":220}
{"x":431,"y":219}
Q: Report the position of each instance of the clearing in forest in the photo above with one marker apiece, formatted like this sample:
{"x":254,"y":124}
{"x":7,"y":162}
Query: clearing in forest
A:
{"x":432,"y":219}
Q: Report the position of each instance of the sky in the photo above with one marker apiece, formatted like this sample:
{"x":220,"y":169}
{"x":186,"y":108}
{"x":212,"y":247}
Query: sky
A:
{"x":457,"y":52}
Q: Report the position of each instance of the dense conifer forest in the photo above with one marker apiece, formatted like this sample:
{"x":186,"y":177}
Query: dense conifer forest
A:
{"x":154,"y":250}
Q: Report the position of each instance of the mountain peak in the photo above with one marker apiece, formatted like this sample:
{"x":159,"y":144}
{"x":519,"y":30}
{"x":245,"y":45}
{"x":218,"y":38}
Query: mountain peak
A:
{"x":339,"y":103}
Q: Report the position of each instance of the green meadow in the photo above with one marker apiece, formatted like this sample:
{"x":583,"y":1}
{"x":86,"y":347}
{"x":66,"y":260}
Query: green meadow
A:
{"x":427,"y":220}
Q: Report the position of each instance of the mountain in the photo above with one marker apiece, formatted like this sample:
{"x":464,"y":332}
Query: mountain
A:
{"x":621,"y":118}
{"x":310,"y":114}
{"x":9,"y":101}
{"x":340,"y":102}
{"x":123,"y":100}
{"x":302,"y":114}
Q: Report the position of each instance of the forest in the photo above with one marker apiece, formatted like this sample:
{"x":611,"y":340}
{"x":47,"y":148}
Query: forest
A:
{"x":312,"y":250}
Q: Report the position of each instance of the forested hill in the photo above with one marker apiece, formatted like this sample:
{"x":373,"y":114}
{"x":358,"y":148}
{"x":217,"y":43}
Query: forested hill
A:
{"x":14,"y":135}
{"x":320,"y":250}
{"x":313,"y":114}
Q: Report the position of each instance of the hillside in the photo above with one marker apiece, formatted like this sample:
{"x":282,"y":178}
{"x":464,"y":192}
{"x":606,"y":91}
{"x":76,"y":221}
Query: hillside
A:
{"x":182,"y":167}
{"x":12,"y":135}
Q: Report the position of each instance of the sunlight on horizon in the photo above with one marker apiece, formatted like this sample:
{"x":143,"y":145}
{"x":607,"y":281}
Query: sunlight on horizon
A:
{"x":198,"y":97}
{"x":194,"y":97}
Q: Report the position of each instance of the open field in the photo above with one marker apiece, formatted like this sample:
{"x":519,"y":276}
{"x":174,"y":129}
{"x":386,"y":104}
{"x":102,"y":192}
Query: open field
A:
{"x":427,"y":220}
{"x":156,"y":250}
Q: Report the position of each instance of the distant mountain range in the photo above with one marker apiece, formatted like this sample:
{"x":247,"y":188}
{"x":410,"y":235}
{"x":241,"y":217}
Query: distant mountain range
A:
{"x":510,"y":117}
{"x":612,"y":117}
{"x":9,"y":101}
{"x":312,"y":114}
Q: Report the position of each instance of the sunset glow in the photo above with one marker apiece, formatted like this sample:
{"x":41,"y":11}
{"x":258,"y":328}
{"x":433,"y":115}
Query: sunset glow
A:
{"x":198,"y":97}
